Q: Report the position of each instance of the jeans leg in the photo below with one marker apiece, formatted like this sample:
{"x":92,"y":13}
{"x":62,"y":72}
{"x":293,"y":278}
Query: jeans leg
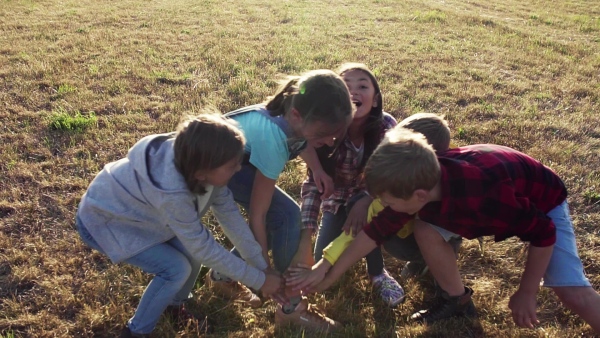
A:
{"x":283,"y":217}
{"x":405,"y":249}
{"x":330,"y":229}
{"x":185,"y":292}
{"x":374,"y":262}
{"x":171,"y":269}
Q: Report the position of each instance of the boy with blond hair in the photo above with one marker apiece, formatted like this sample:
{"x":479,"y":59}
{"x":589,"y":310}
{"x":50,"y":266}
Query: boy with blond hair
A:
{"x":475,"y":191}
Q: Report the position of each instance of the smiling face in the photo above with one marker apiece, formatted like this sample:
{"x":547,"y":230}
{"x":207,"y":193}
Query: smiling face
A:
{"x":219,"y":177}
{"x":362,"y":92}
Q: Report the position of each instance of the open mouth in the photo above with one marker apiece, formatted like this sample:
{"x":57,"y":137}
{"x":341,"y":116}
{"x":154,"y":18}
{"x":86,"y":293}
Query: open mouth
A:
{"x":357,"y":103}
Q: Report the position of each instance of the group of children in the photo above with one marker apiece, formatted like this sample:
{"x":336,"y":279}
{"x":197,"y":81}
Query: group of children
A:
{"x":374,"y":183}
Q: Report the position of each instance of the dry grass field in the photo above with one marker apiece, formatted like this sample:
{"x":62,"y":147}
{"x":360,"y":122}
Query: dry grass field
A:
{"x":82,"y":81}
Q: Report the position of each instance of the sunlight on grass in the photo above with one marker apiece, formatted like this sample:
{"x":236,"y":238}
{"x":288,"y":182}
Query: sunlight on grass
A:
{"x":82,"y":81}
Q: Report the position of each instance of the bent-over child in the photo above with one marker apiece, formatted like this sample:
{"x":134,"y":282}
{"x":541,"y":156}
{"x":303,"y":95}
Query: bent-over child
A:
{"x":309,"y":110}
{"x":146,"y":210}
{"x":475,"y":191}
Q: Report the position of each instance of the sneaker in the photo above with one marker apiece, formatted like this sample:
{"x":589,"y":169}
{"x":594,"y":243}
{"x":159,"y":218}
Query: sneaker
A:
{"x":232,"y":290}
{"x":184,"y":318}
{"x":414,"y":269}
{"x":448,"y":307}
{"x":126,"y":333}
{"x":388,"y":288}
{"x":307,"y":316}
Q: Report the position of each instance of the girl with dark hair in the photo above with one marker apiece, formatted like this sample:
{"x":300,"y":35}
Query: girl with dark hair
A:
{"x":334,"y":184}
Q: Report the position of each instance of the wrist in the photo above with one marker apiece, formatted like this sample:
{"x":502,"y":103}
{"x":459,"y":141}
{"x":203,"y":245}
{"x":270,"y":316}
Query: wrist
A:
{"x":323,"y":266}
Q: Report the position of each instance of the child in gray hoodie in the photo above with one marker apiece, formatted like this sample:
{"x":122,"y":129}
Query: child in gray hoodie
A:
{"x":146,"y":210}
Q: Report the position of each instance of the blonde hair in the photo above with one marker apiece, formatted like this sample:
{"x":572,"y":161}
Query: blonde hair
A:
{"x":318,"y":96}
{"x":206,"y":142}
{"x":403,"y":162}
{"x":433,"y":127}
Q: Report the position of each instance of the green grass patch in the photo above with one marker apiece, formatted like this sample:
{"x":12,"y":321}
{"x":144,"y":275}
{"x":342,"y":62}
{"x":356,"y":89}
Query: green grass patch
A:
{"x":72,"y":122}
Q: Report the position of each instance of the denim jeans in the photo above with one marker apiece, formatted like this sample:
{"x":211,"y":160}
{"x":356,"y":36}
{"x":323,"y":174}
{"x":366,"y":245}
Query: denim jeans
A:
{"x":283,"y":217}
{"x":331,"y":228}
{"x":175,"y":273}
{"x":565,"y":267}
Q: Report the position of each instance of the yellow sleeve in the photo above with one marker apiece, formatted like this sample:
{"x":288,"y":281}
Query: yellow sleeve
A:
{"x":376,"y":208}
{"x":335,"y":249}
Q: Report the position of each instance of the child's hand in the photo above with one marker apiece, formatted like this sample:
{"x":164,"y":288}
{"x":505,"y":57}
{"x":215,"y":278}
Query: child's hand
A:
{"x":324,"y":285}
{"x":273,"y":286}
{"x":523,"y":305}
{"x":306,"y":277}
{"x":357,"y":216}
{"x":324,"y":183}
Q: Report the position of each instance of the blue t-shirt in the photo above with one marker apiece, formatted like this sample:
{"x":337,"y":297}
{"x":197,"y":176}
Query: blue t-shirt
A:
{"x":265,"y":141}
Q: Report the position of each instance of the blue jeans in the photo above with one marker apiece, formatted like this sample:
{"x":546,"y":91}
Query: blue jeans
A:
{"x":331,"y":228}
{"x":565,"y":267}
{"x":175,"y":273}
{"x":283,"y":217}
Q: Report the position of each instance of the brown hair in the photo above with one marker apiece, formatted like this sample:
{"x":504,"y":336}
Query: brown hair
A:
{"x":318,"y":96}
{"x":403,"y":162}
{"x":432,"y":126}
{"x":206,"y":142}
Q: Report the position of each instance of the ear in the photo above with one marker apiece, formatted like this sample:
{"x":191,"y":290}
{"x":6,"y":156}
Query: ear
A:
{"x":295,"y":116}
{"x":422,"y":195}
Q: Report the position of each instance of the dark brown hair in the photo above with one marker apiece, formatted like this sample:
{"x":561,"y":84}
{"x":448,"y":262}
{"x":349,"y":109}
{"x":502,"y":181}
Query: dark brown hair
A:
{"x":206,"y":142}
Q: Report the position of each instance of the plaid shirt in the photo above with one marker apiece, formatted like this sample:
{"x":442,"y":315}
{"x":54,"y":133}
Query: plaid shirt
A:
{"x":487,"y":190}
{"x":347,"y":183}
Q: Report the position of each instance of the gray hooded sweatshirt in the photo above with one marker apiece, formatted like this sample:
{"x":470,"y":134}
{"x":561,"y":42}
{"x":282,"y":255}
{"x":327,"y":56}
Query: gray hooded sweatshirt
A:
{"x":142,"y":200}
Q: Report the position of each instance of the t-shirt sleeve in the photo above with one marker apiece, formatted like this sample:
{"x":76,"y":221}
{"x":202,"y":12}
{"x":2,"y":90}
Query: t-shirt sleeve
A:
{"x":385,"y":224}
{"x":267,"y":144}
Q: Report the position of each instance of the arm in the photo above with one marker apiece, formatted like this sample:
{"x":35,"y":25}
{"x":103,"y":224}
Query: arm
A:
{"x":311,"y":203}
{"x":236,"y":229}
{"x":359,"y":248}
{"x":307,"y":277}
{"x":336,"y":248}
{"x":523,"y":302}
{"x":182,"y":218}
{"x":260,"y":201}
{"x":357,"y":217}
{"x":323,"y":182}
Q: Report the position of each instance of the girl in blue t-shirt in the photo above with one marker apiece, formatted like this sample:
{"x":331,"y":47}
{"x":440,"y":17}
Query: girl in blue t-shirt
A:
{"x":314,"y":109}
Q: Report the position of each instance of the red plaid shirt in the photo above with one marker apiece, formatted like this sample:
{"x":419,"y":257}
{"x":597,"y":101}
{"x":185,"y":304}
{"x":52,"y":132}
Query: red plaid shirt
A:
{"x":346,"y":185}
{"x":487,"y":190}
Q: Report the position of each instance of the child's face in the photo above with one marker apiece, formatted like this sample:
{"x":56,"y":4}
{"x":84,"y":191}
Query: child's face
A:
{"x":410,"y":206}
{"x":219,"y":177}
{"x":318,"y":134}
{"x":362,"y":92}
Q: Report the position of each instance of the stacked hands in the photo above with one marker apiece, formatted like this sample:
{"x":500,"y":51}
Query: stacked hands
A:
{"x":309,"y":279}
